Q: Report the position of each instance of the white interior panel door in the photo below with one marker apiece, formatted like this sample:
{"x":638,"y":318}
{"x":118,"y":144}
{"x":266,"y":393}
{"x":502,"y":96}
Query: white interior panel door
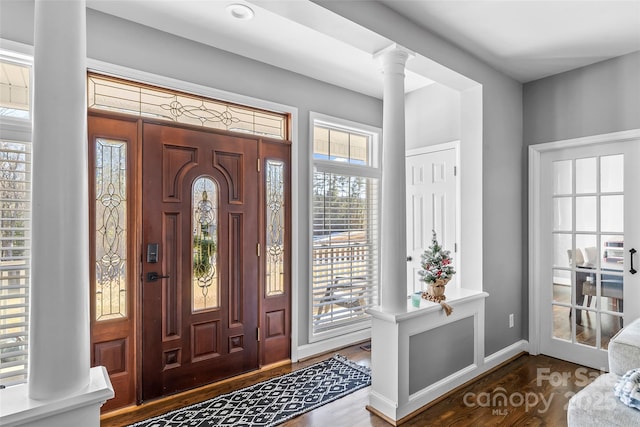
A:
{"x":431,"y":206}
{"x":590,"y":227}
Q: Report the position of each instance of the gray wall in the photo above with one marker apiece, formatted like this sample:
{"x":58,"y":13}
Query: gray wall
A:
{"x":432,"y":116}
{"x":597,"y":99}
{"x":16,"y":21}
{"x":502,"y":185}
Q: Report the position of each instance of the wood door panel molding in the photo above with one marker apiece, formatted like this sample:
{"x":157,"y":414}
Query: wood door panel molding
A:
{"x":276,"y":324}
{"x":236,"y":343}
{"x":172,"y":298}
{"x":205,"y":340}
{"x":235,"y":269}
{"x":177,"y":161}
{"x":231,"y":166}
{"x":171,"y":358}
{"x":112,"y":355}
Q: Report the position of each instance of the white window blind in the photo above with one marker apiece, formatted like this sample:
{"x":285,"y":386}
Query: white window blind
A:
{"x":345,"y":252}
{"x":15,"y":219}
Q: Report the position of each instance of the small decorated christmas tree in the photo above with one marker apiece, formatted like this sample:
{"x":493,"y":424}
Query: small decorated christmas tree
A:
{"x":436,"y":263}
{"x":436,"y":272}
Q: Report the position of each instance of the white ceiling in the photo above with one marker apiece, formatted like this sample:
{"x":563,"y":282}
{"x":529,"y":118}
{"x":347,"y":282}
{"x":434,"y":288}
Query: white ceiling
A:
{"x":528,"y":40}
{"x":524,"y":39}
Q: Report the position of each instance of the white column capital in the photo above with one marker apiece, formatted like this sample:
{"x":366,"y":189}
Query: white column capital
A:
{"x":393,"y":58}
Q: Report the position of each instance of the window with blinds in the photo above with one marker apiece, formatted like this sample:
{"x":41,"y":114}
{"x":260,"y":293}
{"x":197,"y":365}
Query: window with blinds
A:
{"x":345,"y":252}
{"x":15,"y":218}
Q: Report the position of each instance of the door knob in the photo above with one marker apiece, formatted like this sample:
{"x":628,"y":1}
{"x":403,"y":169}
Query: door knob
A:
{"x":154,"y":276}
{"x":409,"y":258}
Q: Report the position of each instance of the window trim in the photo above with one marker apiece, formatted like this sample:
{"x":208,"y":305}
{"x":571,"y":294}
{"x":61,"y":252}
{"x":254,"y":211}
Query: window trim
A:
{"x":20,"y":130}
{"x":366,"y":171}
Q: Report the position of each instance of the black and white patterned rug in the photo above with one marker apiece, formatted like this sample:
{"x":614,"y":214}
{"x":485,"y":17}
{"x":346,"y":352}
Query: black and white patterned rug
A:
{"x":274,"y":401}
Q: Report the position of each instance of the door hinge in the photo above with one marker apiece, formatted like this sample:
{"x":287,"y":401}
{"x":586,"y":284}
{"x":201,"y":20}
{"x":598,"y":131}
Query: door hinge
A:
{"x":258,"y":164}
{"x":258,"y":336}
{"x":258,"y":249}
{"x":455,"y":247}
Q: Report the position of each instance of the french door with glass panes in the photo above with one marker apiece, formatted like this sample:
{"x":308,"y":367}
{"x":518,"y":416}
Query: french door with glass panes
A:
{"x":590,"y":224}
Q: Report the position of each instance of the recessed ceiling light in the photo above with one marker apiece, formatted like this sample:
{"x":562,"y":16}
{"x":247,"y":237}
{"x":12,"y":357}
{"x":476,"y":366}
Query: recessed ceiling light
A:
{"x":240,"y":11}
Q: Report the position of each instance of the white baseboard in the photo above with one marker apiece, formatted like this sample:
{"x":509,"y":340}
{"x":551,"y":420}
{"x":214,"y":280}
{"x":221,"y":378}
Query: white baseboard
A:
{"x":503,"y":355}
{"x":316,"y":348}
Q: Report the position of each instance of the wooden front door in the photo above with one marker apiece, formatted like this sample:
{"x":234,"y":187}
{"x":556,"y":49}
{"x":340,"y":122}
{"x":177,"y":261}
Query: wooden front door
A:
{"x":200,"y":271}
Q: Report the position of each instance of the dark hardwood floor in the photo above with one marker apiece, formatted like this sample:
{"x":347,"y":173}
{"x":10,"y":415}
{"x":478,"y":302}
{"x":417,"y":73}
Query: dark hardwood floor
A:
{"x":528,"y":391}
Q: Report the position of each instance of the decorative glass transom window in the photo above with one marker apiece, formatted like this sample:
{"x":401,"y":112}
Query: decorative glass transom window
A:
{"x":345,"y":254}
{"x":107,"y":93}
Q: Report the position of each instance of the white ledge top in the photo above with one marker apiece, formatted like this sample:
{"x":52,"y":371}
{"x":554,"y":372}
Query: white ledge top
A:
{"x":455,"y":297}
{"x":18,"y":408}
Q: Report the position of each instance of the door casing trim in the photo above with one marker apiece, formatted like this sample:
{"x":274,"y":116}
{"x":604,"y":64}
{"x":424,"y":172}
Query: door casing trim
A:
{"x":534,"y":190}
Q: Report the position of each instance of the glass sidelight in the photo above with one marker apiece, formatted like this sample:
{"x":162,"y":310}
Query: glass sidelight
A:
{"x":111,"y":290}
{"x":275,"y":227}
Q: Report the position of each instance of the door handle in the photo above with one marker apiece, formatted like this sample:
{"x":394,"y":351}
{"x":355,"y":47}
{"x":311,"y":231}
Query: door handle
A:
{"x":153,"y":276}
{"x":632,"y":251}
{"x":409,"y":258}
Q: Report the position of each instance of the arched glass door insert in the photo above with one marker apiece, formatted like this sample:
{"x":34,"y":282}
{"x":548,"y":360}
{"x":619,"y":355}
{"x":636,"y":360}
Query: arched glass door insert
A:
{"x":205,"y":292}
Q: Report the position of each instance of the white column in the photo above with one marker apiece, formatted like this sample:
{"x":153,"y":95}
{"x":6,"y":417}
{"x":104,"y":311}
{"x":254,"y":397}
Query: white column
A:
{"x":59,"y":321}
{"x":393,"y":280}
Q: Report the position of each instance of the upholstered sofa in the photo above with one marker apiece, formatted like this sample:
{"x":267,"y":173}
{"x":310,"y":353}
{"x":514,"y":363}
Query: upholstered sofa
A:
{"x":597,"y":404}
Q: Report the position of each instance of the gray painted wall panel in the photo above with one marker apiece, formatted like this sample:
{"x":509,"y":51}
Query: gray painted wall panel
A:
{"x":437,"y":353}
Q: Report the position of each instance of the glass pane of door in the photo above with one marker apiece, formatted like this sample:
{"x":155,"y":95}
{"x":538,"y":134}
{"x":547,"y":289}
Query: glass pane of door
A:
{"x":587,"y":237}
{"x":206,"y":283}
